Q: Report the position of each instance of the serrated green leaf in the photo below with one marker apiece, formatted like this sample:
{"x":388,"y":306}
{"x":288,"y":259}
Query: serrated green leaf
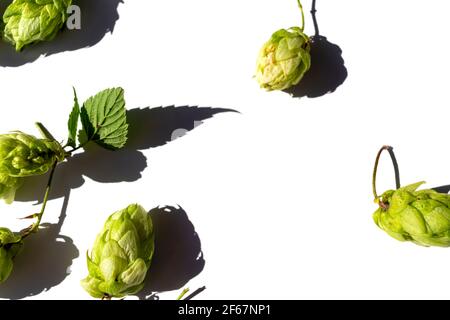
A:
{"x":73,"y":121}
{"x":88,"y":129}
{"x":103,"y":117}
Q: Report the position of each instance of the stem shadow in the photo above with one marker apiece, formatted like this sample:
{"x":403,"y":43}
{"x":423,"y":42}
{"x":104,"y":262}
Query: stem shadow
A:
{"x":43,"y":263}
{"x":148,"y":128}
{"x":327,"y":71}
{"x":98,"y":17}
{"x":178,"y":255}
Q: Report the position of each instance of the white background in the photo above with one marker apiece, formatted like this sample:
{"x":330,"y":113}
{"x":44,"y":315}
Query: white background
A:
{"x":280,"y":193}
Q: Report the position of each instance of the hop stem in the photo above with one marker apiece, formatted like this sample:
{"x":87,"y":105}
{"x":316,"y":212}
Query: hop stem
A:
{"x":46,"y":135}
{"x":192,"y":295}
{"x":183,"y":293}
{"x":303,"y":15}
{"x":195,"y":293}
{"x":375,"y":169}
{"x":34,"y":228}
{"x":39,"y":216}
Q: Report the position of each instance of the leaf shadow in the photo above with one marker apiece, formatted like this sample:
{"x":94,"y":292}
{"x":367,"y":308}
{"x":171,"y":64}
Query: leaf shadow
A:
{"x":327,"y":71}
{"x":148,"y":128}
{"x":442,"y":189}
{"x":178,"y":255}
{"x":43,"y":263}
{"x":98,"y":17}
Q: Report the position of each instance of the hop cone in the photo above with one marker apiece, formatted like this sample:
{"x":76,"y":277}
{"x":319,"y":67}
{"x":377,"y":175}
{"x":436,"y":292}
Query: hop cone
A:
{"x":121,"y":255}
{"x":284,"y":59}
{"x":23,"y":155}
{"x":28,"y":21}
{"x":8,"y":187}
{"x":422,"y":217}
{"x":10,"y":245}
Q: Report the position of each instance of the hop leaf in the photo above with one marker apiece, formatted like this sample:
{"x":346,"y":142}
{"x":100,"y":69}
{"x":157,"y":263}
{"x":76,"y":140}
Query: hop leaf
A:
{"x":104,"y":118}
{"x":73,"y":121}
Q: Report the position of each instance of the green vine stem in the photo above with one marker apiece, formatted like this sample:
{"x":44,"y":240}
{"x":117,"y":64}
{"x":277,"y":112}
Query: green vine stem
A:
{"x":375,"y":169}
{"x":303,"y":15}
{"x":38,"y":216}
{"x":47,"y":135}
{"x":183,"y":293}
{"x":192,"y":295}
{"x":35,"y":226}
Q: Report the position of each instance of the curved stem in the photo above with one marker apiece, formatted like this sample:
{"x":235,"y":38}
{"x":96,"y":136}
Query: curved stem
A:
{"x":36,"y":225}
{"x":303,"y":15}
{"x":375,"y":169}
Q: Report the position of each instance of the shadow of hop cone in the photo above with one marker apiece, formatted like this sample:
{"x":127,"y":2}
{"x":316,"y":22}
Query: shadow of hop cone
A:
{"x":327,"y":71}
{"x":98,"y":164}
{"x":42,"y":264}
{"x":3,"y":5}
{"x":178,"y":255}
{"x":98,"y":18}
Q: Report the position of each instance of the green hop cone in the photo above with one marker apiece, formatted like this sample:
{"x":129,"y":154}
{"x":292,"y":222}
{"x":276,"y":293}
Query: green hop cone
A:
{"x":8,"y":187}
{"x":23,"y":155}
{"x":422,"y":217}
{"x":408,"y":214}
{"x":284,"y":59}
{"x":28,"y":21}
{"x":121,"y":255}
{"x":10,"y":245}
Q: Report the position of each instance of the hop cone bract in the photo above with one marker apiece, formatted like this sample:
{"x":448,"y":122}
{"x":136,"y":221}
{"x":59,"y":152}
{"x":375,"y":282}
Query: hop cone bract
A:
{"x":10,"y":245}
{"x":420,"y":216}
{"x":121,"y":255}
{"x":23,"y":155}
{"x":8,"y":187}
{"x":284,"y":59}
{"x":28,"y":21}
